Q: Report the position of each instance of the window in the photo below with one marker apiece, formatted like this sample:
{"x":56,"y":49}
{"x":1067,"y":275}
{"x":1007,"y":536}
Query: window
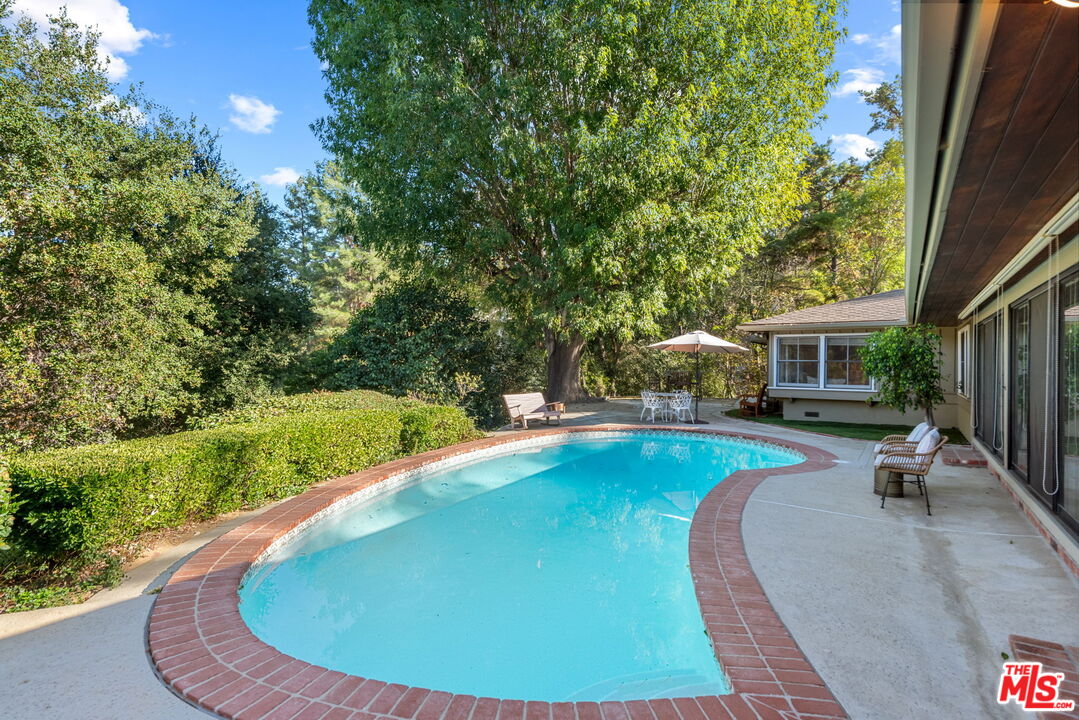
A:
{"x":844,"y":362}
{"x":821,"y":361}
{"x":798,"y":360}
{"x":962,"y":362}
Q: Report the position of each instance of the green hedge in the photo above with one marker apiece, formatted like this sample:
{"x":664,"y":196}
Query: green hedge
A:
{"x":278,"y":405}
{"x":83,"y":500}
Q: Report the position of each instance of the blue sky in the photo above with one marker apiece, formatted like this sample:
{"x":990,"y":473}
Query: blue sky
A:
{"x":246,"y":70}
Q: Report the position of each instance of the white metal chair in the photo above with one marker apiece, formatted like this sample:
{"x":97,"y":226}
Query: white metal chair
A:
{"x":679,"y":452}
{"x":650,"y":402}
{"x":682,"y":404}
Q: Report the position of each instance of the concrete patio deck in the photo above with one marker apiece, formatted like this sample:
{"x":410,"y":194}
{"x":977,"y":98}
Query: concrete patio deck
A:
{"x":903,"y":615}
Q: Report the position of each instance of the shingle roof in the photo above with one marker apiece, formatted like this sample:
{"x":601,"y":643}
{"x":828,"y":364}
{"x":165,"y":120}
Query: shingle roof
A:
{"x":887,"y":308}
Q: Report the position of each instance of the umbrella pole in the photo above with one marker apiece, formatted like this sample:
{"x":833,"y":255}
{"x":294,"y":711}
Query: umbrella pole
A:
{"x":697,"y":411}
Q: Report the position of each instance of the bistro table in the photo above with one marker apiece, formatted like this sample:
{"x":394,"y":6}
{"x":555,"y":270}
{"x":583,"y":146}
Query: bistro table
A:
{"x":667,"y":397}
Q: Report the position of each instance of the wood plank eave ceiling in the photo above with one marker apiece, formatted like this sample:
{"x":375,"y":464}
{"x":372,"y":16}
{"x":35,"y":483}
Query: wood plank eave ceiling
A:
{"x":1020,"y":162}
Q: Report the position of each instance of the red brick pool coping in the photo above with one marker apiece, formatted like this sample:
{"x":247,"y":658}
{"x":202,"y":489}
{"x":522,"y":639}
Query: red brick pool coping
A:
{"x":206,"y":654}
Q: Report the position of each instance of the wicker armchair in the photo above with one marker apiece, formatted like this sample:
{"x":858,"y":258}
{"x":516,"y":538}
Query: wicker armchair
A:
{"x":912,"y":438}
{"x":904,"y":459}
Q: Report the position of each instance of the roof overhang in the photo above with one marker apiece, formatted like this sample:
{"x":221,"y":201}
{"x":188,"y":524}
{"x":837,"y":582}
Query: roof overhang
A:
{"x":820,"y":327}
{"x":1058,"y":229}
{"x":992,"y":146}
{"x":944,"y":49}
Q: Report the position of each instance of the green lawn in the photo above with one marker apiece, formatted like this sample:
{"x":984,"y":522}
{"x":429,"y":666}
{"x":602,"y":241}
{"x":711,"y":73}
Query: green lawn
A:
{"x":858,"y":431}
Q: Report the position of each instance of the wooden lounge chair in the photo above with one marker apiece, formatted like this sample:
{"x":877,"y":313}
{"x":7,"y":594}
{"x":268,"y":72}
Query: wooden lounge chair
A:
{"x":900,"y":461}
{"x":754,"y":405}
{"x":523,"y":407}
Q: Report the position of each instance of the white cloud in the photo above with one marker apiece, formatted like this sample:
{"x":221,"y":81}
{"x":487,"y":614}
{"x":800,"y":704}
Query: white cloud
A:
{"x":888,"y":44}
{"x":109,"y":18}
{"x":252,"y":115}
{"x":280,"y":176}
{"x":853,"y":145}
{"x":859,"y":79}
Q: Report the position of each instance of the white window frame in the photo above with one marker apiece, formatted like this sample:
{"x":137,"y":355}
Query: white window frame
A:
{"x":962,"y":361}
{"x":775,"y":363}
{"x":822,"y":377}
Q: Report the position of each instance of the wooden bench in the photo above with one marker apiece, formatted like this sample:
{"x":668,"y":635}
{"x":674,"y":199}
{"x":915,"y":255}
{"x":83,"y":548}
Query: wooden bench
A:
{"x":523,"y":407}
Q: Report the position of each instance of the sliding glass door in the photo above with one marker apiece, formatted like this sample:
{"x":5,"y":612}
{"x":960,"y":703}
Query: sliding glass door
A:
{"x":1019,"y":440}
{"x":1031,"y":411}
{"x":988,"y":385}
{"x":1069,"y":401}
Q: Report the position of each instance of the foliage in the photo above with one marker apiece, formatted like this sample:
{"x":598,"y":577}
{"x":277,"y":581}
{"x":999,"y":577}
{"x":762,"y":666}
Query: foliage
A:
{"x":846,"y":242}
{"x":81,"y":501}
{"x":587,"y":163}
{"x":138,"y":281}
{"x":327,"y":256}
{"x":28,"y":583}
{"x":424,"y":427}
{"x":7,"y":504}
{"x":421,"y":339}
{"x":887,"y":101}
{"x":272,"y":406}
{"x":261,"y":316}
{"x":905,"y":361}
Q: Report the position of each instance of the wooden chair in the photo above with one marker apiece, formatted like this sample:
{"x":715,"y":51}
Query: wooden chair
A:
{"x":523,"y":407}
{"x":754,"y":405}
{"x":899,"y":461}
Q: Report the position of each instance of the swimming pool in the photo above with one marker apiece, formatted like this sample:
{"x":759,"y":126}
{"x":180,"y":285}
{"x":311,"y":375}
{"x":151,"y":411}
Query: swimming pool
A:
{"x":553,"y":572}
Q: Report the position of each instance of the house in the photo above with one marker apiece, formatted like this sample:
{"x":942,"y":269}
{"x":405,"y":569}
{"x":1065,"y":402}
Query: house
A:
{"x":815,"y":370}
{"x":991,"y":103}
{"x":992,"y":129}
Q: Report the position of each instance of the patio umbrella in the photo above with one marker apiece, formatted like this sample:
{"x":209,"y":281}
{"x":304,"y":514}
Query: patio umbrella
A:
{"x":698,"y":342}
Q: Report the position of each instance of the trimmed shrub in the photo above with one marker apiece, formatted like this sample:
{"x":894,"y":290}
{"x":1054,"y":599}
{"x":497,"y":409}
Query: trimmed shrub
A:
{"x":426,"y":427}
{"x":80,"y":501}
{"x":277,"y":405}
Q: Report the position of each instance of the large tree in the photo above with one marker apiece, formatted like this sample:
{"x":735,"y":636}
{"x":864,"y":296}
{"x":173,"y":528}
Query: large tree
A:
{"x":135,"y":273}
{"x":327,"y":256}
{"x":587,"y":161}
{"x":847,"y":241}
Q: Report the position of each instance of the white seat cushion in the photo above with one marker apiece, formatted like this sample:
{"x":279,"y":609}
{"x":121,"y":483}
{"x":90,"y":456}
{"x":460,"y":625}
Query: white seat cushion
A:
{"x":928,"y":441}
{"x":915,"y":435}
{"x":919,"y":432}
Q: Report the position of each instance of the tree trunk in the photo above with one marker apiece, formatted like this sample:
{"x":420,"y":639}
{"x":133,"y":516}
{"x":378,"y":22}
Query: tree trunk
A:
{"x":564,"y":367}
{"x":929,"y":416}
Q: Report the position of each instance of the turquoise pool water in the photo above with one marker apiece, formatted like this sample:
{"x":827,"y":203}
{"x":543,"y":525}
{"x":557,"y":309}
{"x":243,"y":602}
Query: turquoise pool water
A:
{"x":553,"y":573}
